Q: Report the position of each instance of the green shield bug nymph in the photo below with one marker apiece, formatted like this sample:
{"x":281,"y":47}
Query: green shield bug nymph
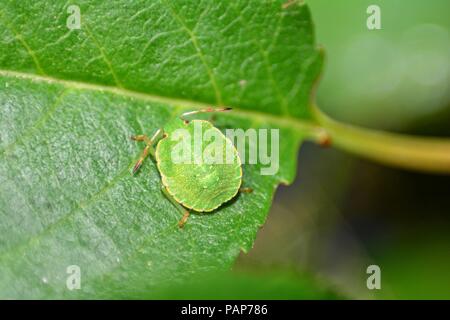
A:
{"x":194,"y":176}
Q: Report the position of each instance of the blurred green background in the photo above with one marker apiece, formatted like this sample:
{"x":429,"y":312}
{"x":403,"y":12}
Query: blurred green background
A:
{"x":343,"y":213}
{"x":396,"y":78}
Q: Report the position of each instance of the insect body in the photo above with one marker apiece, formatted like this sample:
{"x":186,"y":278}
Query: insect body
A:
{"x":190,"y":182}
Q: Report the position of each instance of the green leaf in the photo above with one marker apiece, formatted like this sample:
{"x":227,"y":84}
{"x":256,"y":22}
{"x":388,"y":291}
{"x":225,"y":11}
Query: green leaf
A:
{"x":261,"y":284}
{"x":70,"y":99}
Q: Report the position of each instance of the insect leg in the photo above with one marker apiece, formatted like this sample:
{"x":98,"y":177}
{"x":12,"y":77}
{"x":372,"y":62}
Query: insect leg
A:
{"x":246,"y":190}
{"x":183,"y":220}
{"x":142,"y":137}
{"x":148,"y":148}
{"x":182,"y":209}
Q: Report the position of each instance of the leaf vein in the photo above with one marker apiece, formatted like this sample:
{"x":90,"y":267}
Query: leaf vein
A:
{"x":309,"y":128}
{"x":22,"y":40}
{"x":103,"y":54}
{"x":200,"y":54}
{"x":36,"y":125}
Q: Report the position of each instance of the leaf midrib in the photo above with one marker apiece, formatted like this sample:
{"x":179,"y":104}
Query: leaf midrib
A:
{"x":308,"y":128}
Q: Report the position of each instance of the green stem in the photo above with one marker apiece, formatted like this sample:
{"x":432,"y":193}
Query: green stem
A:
{"x":410,"y":152}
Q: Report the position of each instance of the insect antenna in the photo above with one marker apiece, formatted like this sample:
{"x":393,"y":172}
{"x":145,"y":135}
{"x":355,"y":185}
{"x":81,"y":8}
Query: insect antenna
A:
{"x":204,"y":110}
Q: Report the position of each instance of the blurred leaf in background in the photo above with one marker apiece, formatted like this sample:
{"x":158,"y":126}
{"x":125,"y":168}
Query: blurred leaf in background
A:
{"x":343,"y":213}
{"x":396,"y":78}
{"x":254,"y":283}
